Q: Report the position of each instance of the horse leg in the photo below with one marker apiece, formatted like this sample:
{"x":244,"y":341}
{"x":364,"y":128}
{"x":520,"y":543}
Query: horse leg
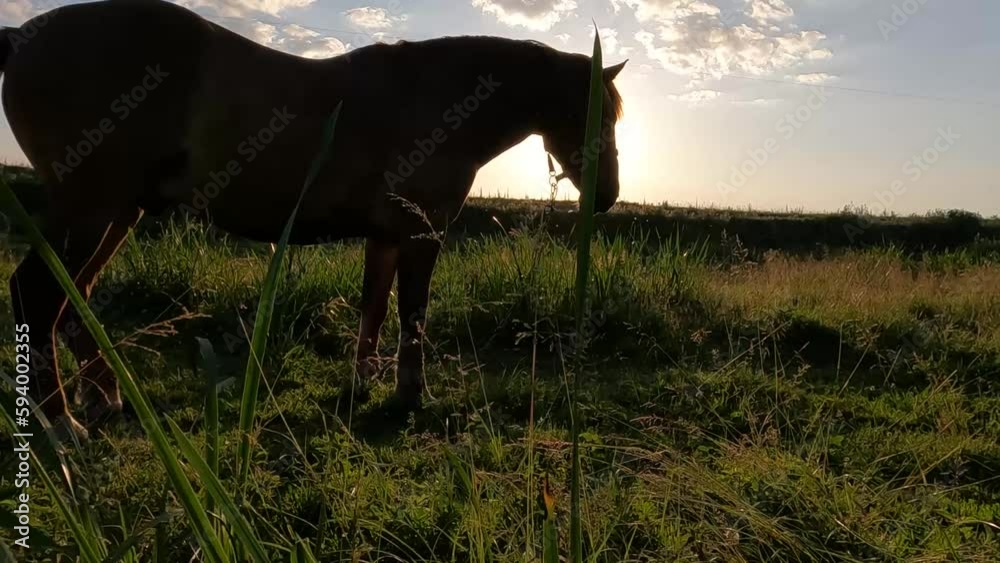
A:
{"x":380,"y":270}
{"x":38,"y":301}
{"x":416,"y":266}
{"x":94,"y":371}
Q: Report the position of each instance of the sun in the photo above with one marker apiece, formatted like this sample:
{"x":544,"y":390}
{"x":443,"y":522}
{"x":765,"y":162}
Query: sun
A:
{"x":522,"y":171}
{"x":632,"y":158}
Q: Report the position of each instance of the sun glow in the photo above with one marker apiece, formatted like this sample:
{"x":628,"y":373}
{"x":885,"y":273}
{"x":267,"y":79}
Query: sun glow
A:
{"x":632,"y":160}
{"x":522,"y":172}
{"x":518,"y":173}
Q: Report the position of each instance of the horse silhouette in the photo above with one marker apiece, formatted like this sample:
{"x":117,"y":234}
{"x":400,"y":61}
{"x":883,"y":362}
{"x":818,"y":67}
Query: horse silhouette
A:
{"x":132,"y":107}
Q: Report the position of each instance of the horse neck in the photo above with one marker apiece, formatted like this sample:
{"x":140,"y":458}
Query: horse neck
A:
{"x":513,"y":112}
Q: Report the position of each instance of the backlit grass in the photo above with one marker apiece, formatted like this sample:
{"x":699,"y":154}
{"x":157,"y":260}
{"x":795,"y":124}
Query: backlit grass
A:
{"x":832,"y":409}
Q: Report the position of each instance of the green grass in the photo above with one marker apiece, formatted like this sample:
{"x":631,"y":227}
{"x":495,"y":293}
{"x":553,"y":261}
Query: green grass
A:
{"x":834,"y":409}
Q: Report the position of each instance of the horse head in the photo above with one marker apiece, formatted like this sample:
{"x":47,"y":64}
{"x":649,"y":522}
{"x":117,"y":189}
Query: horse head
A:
{"x":565,"y":131}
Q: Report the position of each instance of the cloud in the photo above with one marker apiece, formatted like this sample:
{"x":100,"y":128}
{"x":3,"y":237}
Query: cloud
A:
{"x":695,"y":38}
{"x":297,"y":40}
{"x":757,"y":102}
{"x":373,"y":18}
{"x":18,"y":11}
{"x":703,"y":97}
{"x":287,"y":37}
{"x":770,"y":10}
{"x":538,"y":15}
{"x":646,"y":10}
{"x":609,"y":40}
{"x":564,"y":37}
{"x":697,"y":97}
{"x":813,"y":78}
{"x":240,"y":8}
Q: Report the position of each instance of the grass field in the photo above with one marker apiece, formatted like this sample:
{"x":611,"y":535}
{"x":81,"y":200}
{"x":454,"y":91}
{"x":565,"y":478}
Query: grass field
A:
{"x":740,"y":403}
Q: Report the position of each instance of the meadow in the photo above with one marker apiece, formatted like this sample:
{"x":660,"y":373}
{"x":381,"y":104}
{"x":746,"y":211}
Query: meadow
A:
{"x":743,"y":397}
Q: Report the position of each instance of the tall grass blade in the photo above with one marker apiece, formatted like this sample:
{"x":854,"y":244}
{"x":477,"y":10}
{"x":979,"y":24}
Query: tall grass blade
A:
{"x":160,"y":549}
{"x":588,"y":194}
{"x":302,"y":553}
{"x":86,"y":541}
{"x":200,"y":525}
{"x":126,"y":550}
{"x":265,"y":309}
{"x":6,"y":555}
{"x":210,"y":367}
{"x":239,"y":525}
{"x":588,"y":191}
{"x":550,"y":534}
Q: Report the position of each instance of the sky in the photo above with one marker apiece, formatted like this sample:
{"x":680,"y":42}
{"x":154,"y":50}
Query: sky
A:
{"x":803,"y":105}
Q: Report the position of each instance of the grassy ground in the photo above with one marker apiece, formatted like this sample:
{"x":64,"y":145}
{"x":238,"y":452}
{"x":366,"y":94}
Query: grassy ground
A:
{"x":758,"y":230}
{"x":740,"y":405}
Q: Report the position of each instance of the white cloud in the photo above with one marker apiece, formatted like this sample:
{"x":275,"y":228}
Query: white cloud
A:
{"x":290,"y":38}
{"x":757,"y":102}
{"x":293,"y":39}
{"x":240,"y":8}
{"x":770,"y":10}
{"x":695,"y":38}
{"x":646,"y":10}
{"x":703,"y":97}
{"x":813,"y":78}
{"x":609,"y":40}
{"x":16,"y":12}
{"x":697,"y":97}
{"x":373,"y":18}
{"x":564,"y":37}
{"x":300,"y":41}
{"x":538,"y":15}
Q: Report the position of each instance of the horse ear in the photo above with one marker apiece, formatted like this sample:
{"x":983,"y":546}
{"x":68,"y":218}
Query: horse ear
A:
{"x":612,"y":72}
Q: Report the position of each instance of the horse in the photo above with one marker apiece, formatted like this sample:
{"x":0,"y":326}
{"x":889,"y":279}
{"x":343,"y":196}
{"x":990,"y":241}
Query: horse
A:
{"x":126,"y":108}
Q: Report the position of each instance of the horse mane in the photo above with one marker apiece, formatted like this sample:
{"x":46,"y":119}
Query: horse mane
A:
{"x":617,"y":104}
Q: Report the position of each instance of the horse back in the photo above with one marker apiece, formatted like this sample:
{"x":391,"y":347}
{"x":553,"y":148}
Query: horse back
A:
{"x":111,"y":79}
